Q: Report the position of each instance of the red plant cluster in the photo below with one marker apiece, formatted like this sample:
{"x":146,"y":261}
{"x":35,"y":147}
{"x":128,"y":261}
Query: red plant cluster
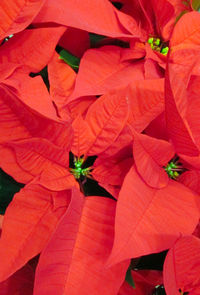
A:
{"x":132,"y":111}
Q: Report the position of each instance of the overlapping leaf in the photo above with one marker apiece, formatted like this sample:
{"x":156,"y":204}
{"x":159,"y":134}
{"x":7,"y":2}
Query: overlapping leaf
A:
{"x":21,"y":282}
{"x":20,"y":121}
{"x":191,"y":179}
{"x":112,"y":172}
{"x":93,"y":16}
{"x":187,"y":30}
{"x":20,"y":83}
{"x":33,"y":48}
{"x":106,"y":119}
{"x":145,"y":281}
{"x":17,"y":15}
{"x":78,"y":45}
{"x":150,"y":220}
{"x":83,"y":136}
{"x":28,"y":223}
{"x":151,"y":155}
{"x":74,"y":260}
{"x":158,"y":14}
{"x":146,"y":102}
{"x":102,"y":70}
{"x":182,"y":268}
{"x":62,"y":81}
{"x":40,"y":158}
{"x":178,"y":128}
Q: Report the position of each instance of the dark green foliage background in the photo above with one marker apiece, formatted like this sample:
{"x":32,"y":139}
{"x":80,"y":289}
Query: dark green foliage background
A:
{"x":8,"y":187}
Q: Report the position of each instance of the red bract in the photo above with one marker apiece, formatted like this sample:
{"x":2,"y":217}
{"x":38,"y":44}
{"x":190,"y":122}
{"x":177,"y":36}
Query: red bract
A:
{"x":21,"y":282}
{"x":145,"y":282}
{"x":191,"y":179}
{"x":108,"y":71}
{"x":146,"y":99}
{"x":104,"y":121}
{"x":111,"y":65}
{"x":107,"y":118}
{"x":33,"y":48}
{"x":1,"y":221}
{"x":93,"y":16}
{"x":74,"y":259}
{"x":182,"y":93}
{"x":86,"y":244}
{"x":182,"y":268}
{"x":181,"y":102}
{"x":102,"y":18}
{"x":28,"y":224}
{"x":150,"y":220}
{"x":17,"y":15}
{"x":78,"y":45}
{"x":177,"y":127}
{"x":26,"y":112}
{"x":62,"y":80}
{"x":181,"y":7}
{"x":111,"y":170}
{"x":20,"y":145}
{"x":151,"y":155}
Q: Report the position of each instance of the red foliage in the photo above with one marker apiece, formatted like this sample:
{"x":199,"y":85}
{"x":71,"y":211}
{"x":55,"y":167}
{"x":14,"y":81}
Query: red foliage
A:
{"x":132,"y":112}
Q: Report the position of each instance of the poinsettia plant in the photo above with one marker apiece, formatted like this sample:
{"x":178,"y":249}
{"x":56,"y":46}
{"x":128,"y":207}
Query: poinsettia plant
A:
{"x":99,"y":147}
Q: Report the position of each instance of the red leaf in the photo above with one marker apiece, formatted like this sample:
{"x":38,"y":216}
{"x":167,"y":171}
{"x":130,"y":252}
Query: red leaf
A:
{"x":20,"y":81}
{"x":106,"y":118}
{"x":80,"y":106}
{"x":20,"y":283}
{"x":182,"y":268}
{"x":179,"y":6}
{"x":191,"y":179}
{"x":151,"y":155}
{"x":74,"y":260}
{"x":178,"y":128}
{"x":83,"y":136}
{"x":187,"y":30}
{"x":146,"y":102}
{"x":112,"y":172}
{"x":9,"y":164}
{"x":33,"y":48}
{"x":24,"y":121}
{"x":28,"y":223}
{"x":45,"y":161}
{"x":157,"y":128}
{"x":193,"y":107}
{"x":1,"y":220}
{"x":122,"y":146}
{"x":150,"y":220}
{"x":16,"y":15}
{"x":77,"y":46}
{"x":185,"y":43}
{"x":108,"y":72}
{"x":145,"y":282}
{"x":98,"y":16}
{"x":158,"y":14}
{"x":36,"y":154}
{"x":56,"y":178}
{"x":62,"y":81}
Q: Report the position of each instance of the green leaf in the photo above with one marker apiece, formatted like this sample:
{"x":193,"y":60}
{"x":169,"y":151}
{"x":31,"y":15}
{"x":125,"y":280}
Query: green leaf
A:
{"x":94,"y":39}
{"x":8,"y":187}
{"x":129,"y":278}
{"x":70,"y":59}
{"x":196,"y":5}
